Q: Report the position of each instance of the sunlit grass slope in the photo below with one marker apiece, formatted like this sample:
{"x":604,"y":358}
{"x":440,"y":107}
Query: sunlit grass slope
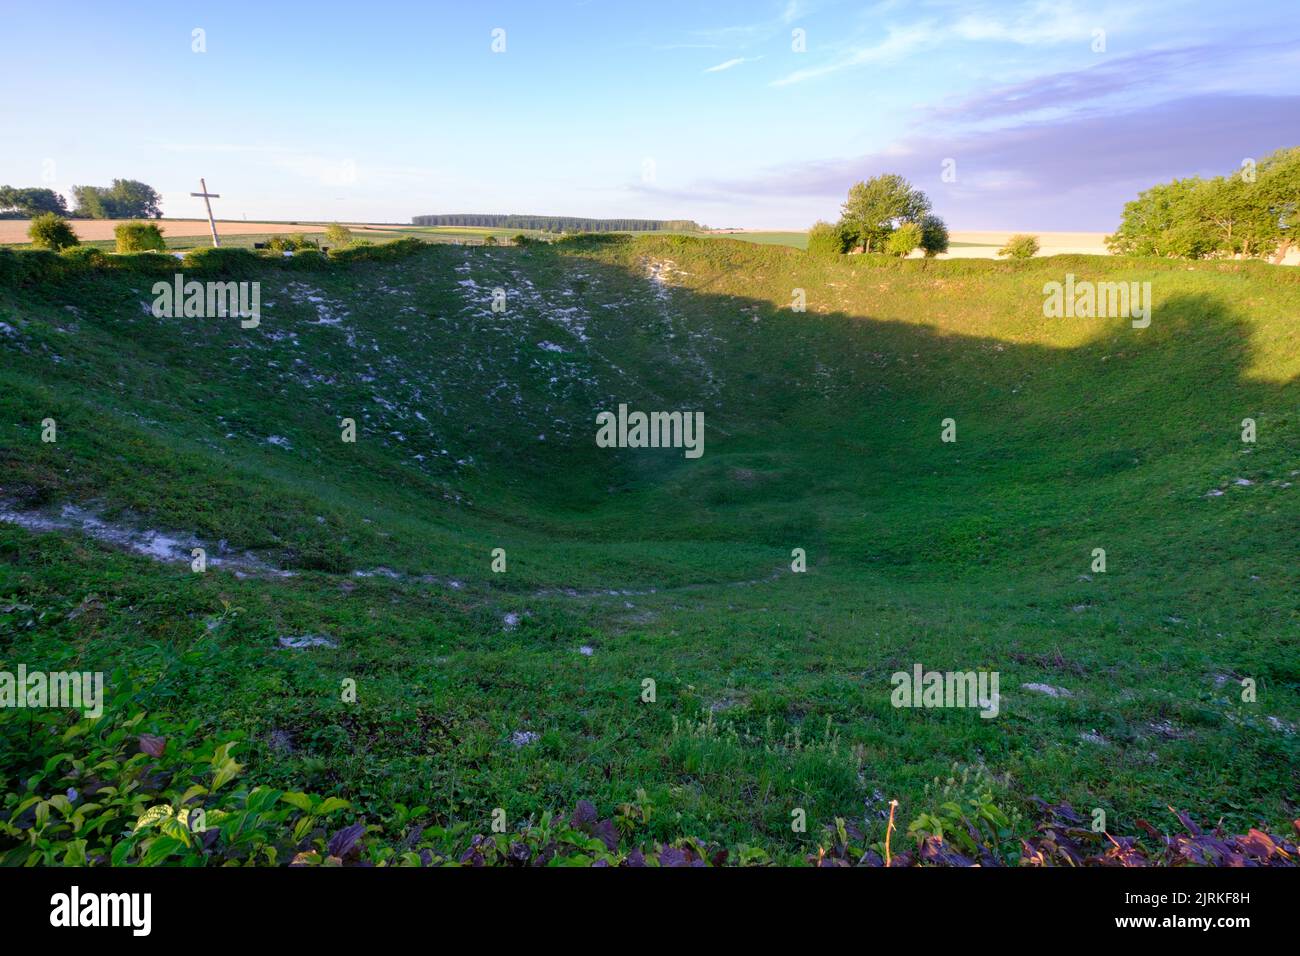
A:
{"x":475,"y":431}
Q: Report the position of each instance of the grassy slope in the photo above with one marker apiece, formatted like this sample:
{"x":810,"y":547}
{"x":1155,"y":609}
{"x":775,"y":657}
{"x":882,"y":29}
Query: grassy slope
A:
{"x":823,"y":433}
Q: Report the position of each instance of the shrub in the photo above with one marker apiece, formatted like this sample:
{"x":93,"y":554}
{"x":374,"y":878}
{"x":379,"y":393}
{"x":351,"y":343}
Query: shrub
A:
{"x":87,"y":256}
{"x":489,"y":240}
{"x":224,"y":262}
{"x":1020,"y":247}
{"x":603,"y":238}
{"x":21,"y":267}
{"x":826,"y":239}
{"x":51,"y":231}
{"x":363,"y":251}
{"x":145,"y":263}
{"x":291,"y":243}
{"x":337,"y":234}
{"x":903,"y":240}
{"x":139,"y":237}
{"x":307,"y":259}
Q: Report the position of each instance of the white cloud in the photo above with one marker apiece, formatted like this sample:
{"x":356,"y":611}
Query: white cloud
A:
{"x":1041,"y":23}
{"x":1038,"y":23}
{"x":744,"y":34}
{"x":898,"y":43}
{"x":728,"y":64}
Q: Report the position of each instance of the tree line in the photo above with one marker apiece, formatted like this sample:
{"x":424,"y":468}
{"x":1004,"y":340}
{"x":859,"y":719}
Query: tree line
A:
{"x":558,"y":223}
{"x":124,"y":199}
{"x":1254,"y":213}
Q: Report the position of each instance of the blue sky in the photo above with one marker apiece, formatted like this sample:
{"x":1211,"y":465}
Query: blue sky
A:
{"x":701,"y":110}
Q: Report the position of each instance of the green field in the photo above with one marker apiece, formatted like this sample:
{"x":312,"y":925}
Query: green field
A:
{"x":525,"y":690}
{"x":797,"y":240}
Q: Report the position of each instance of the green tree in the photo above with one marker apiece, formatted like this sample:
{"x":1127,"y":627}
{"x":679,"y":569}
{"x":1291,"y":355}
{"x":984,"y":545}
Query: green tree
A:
{"x":1020,"y":246}
{"x":934,"y":235}
{"x":904,"y":239}
{"x":31,"y":201}
{"x":51,"y":231}
{"x":1279,"y":183}
{"x":1250,"y":216}
{"x":89,"y":203}
{"x":125,"y":199}
{"x":131,"y":199}
{"x":877,"y":206}
{"x":1236,"y":212}
{"x":1163,"y":221}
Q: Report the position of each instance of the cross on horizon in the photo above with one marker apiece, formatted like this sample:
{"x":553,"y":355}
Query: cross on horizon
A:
{"x":207,"y":197}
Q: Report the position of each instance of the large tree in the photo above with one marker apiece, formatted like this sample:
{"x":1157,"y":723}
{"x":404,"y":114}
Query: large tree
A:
{"x":125,"y":199}
{"x":876,"y":207}
{"x":89,"y":202}
{"x":1239,"y":215}
{"x":1162,"y":222}
{"x":132,"y":199}
{"x":1279,"y":181}
{"x":31,"y":201}
{"x":1235,"y":213}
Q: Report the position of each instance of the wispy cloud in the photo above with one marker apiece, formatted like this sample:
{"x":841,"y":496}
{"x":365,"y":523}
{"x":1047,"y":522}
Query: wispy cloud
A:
{"x":744,"y":34}
{"x":1159,"y":74}
{"x":1040,"y":23}
{"x":1043,"y":22}
{"x":1075,"y":172}
{"x":728,"y":64}
{"x":899,"y":42}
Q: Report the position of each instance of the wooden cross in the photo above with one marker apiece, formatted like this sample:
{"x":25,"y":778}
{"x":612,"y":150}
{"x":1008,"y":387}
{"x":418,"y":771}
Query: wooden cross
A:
{"x":207,"y":196}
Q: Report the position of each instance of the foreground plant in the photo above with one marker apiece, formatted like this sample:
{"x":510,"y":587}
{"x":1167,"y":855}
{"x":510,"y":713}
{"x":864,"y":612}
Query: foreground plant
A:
{"x":140,"y":791}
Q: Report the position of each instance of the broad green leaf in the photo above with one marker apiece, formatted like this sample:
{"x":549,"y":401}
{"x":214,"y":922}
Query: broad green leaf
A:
{"x":299,"y":800}
{"x":226,"y":772}
{"x":151,"y":816}
{"x":76,"y":854}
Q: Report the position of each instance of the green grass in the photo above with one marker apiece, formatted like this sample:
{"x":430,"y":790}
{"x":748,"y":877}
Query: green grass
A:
{"x":797,"y":240}
{"x":822,"y":433}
